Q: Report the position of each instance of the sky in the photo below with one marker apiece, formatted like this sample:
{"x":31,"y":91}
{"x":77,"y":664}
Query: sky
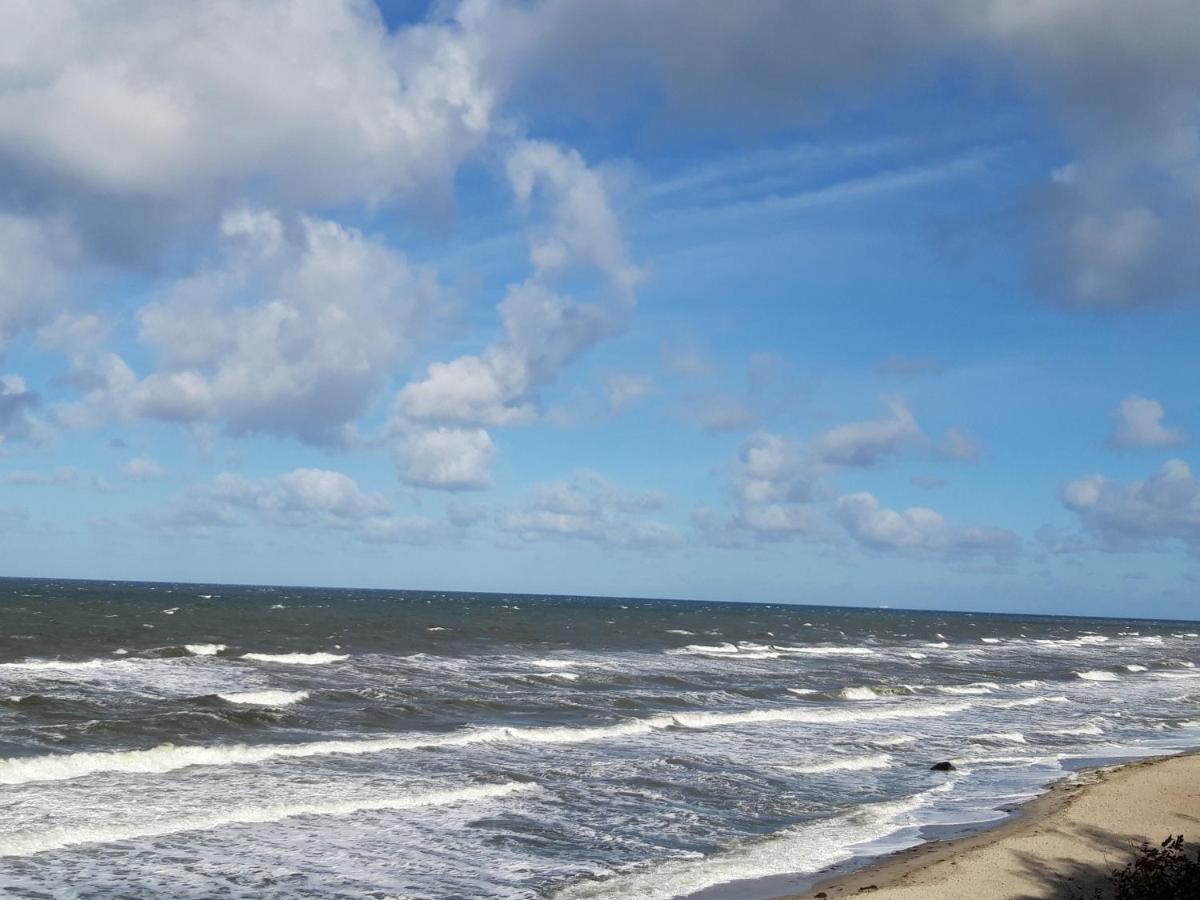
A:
{"x":869,"y":304}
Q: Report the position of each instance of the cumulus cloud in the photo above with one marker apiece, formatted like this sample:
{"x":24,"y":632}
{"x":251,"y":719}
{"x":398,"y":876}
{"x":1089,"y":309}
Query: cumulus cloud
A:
{"x":34,"y":257}
{"x":588,"y":507}
{"x":292,"y":333}
{"x":916,"y":529}
{"x":17,"y":403}
{"x":543,"y":329}
{"x":1153,"y":512}
{"x":775,"y":483}
{"x":956,"y":444}
{"x":143,"y":468}
{"x":864,"y":444}
{"x":1139,"y":424}
{"x":154,"y":112}
{"x":302,"y":498}
{"x":1111,"y":230}
{"x":454,"y":459}
{"x":624,"y":389}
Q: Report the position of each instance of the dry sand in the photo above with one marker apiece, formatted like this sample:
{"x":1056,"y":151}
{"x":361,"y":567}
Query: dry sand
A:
{"x":1060,"y":845}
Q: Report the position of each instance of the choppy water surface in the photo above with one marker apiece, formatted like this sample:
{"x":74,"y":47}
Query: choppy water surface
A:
{"x":180,"y":740}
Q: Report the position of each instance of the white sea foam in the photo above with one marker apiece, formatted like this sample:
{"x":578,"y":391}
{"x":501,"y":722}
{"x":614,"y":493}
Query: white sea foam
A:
{"x":266,"y":698}
{"x":990,"y":640}
{"x":34,"y":665}
{"x":845,"y":764}
{"x":31,"y":841}
{"x":857,"y":693}
{"x":1027,"y":701}
{"x":704,"y":649}
{"x":823,"y":651}
{"x":168,"y":757}
{"x":799,"y":850}
{"x":1003,"y":737}
{"x":802,"y":692}
{"x":297,"y":659}
{"x":894,"y":740}
{"x":1136,"y":668}
{"x":564,"y":676}
{"x":204,"y":649}
{"x":940,"y":645}
{"x":1097,"y":675}
{"x":1079,"y":729}
{"x":552,"y":663}
{"x":683,"y":631}
{"x":915,"y":655}
{"x":975,"y":688}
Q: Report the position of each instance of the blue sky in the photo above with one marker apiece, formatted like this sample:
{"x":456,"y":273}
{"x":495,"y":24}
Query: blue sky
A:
{"x":884,"y":304}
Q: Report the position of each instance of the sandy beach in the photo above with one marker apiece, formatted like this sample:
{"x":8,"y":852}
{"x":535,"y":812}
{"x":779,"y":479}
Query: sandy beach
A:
{"x":1063,"y":843}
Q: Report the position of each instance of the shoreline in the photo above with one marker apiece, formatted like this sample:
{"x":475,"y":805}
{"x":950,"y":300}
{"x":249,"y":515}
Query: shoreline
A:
{"x":1066,"y":839}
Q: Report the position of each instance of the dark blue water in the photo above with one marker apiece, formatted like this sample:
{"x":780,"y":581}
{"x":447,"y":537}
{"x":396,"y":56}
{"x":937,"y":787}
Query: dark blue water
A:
{"x":200,"y":741}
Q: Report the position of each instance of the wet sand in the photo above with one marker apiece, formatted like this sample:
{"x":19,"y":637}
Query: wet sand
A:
{"x":1061,"y":844}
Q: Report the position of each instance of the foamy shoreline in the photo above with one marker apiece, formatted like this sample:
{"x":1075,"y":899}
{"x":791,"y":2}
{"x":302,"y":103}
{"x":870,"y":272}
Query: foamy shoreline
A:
{"x":1069,"y":837}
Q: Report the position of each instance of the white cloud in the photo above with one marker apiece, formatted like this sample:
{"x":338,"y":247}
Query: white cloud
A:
{"x":864,"y":444}
{"x":1113,"y":230}
{"x":771,"y":468}
{"x":182,"y":102}
{"x":34,"y":257}
{"x":302,"y":498}
{"x":143,"y":468}
{"x":544,"y":330}
{"x":1153,"y":512}
{"x":588,"y":507}
{"x":956,"y":444}
{"x":916,"y":529}
{"x":454,"y":459}
{"x":1139,"y":424}
{"x":292,"y":333}
{"x":17,"y":403}
{"x":624,"y":389}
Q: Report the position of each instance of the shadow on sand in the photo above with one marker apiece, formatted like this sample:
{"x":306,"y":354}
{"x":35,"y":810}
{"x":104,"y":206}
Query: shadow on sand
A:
{"x":1067,"y":879}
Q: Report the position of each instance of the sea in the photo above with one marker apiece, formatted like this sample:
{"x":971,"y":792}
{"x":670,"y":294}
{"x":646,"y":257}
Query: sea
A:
{"x":182,"y":740}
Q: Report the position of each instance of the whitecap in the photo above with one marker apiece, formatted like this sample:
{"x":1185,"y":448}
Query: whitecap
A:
{"x":1136,"y":668}
{"x":39,"y":840}
{"x":1096,"y":675}
{"x":169,"y":757}
{"x":265,"y":698}
{"x":204,"y":649}
{"x":1079,"y":729}
{"x":704,"y":649}
{"x":857,"y":693}
{"x":845,"y":764}
{"x":1002,"y":737}
{"x":803,"y":849}
{"x":824,"y":651}
{"x":297,"y":659}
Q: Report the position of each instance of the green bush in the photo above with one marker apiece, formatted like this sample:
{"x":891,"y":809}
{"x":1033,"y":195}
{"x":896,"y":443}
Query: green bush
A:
{"x":1165,"y":872}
